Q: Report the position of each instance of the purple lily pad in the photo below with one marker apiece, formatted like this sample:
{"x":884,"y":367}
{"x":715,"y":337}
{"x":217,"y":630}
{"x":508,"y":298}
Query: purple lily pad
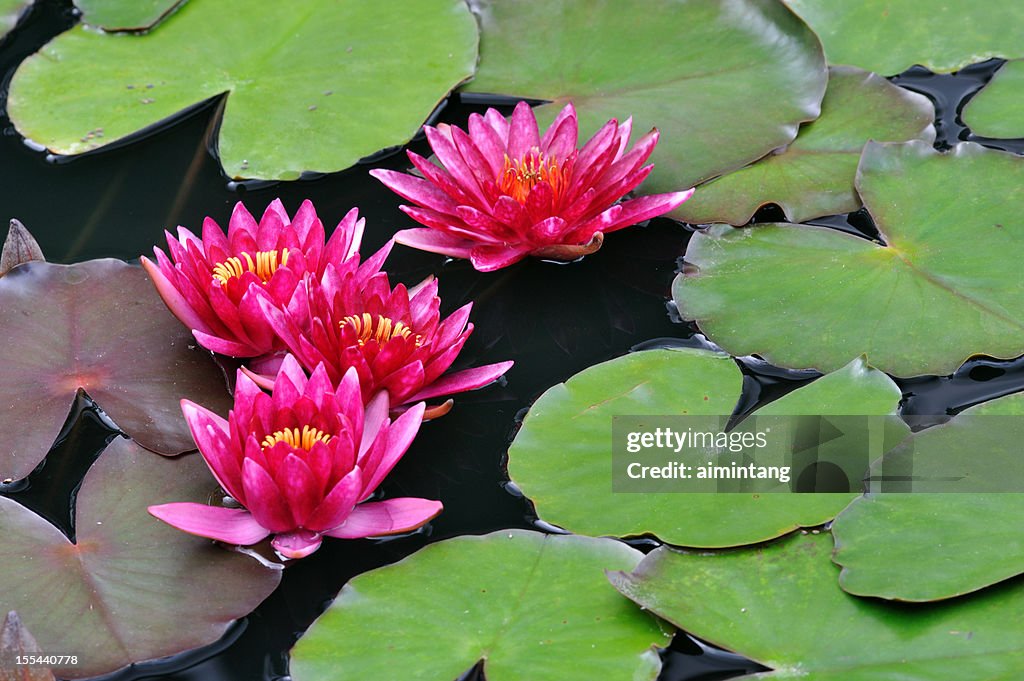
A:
{"x":16,"y":640}
{"x":131,"y":588}
{"x":99,"y":326}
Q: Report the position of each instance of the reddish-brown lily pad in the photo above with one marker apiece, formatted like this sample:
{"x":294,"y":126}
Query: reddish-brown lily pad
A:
{"x":130,"y":588}
{"x":100,"y":326}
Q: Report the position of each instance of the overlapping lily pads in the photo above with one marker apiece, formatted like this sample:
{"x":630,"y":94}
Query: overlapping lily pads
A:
{"x":890,"y":36}
{"x":998,"y":110}
{"x":97,"y":325}
{"x":725,"y":83}
{"x":814,"y":175}
{"x":932,"y":545}
{"x":562,"y":459}
{"x":529,"y":606}
{"x":130,"y":588}
{"x":10,"y":11}
{"x":947,"y":284}
{"x":125,"y":15}
{"x":312,"y":85}
{"x":781,"y":606}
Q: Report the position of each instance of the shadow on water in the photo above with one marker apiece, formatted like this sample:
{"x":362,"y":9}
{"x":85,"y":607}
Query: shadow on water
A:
{"x":553,"y":320}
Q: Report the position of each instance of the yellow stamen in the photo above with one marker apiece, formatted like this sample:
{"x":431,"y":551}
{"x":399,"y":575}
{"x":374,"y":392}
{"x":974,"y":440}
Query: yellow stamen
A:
{"x":519,"y":177}
{"x":263,"y":266}
{"x":380,"y":329}
{"x":304,"y":440}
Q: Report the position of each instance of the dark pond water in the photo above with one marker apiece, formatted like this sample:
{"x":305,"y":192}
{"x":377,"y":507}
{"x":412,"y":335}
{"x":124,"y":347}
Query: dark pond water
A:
{"x":553,"y":320}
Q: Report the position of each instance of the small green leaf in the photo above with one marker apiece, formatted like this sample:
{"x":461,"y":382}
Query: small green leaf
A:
{"x":530,"y":606}
{"x":814,"y":175}
{"x":725,"y":83}
{"x":310,"y":85}
{"x":562,"y":459}
{"x":947,"y":284}
{"x":890,"y":36}
{"x":997,"y":110}
{"x":928,"y":546}
{"x":780,"y":605}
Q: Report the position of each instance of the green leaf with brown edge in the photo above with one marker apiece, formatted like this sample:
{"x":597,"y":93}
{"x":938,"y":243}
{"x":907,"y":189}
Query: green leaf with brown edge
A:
{"x":97,"y":325}
{"x":780,"y":604}
{"x":998,"y":110}
{"x":725,"y":83}
{"x":938,"y":542}
{"x":529,"y":606}
{"x":890,"y":36}
{"x":947,"y":284}
{"x":566,"y":470}
{"x":309,"y":85}
{"x":814,"y":175}
{"x":125,"y":15}
{"x":130,"y":587}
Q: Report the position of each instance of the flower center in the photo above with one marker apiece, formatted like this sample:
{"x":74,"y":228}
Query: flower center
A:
{"x":263,"y":266}
{"x":305,"y":439}
{"x":519,"y":177}
{"x":380,"y":329}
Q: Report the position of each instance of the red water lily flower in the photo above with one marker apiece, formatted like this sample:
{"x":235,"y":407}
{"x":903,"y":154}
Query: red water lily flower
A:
{"x":394,"y":338}
{"x":301,"y":463}
{"x":208,"y":283}
{"x":505,"y":192}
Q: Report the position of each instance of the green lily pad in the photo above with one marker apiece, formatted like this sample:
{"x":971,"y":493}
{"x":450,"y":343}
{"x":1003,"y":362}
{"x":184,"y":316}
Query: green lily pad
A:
{"x":562,"y":456}
{"x":312,"y":85}
{"x":947,"y":285}
{"x":125,"y":15}
{"x":998,"y":110}
{"x":10,"y":12}
{"x":129,"y":588}
{"x":781,"y":606}
{"x":529,"y":606}
{"x":890,"y":36}
{"x":814,"y":175}
{"x":99,"y":326}
{"x":929,"y":546}
{"x":690,"y":69}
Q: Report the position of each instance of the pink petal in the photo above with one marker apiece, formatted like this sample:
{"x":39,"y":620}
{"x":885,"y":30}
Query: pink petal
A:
{"x":647,"y":207}
{"x":338,"y":504}
{"x":415,"y":189}
{"x":453,"y":162}
{"x":299,"y":487}
{"x":461,"y":381}
{"x":213,"y":438}
{"x":391,"y":516}
{"x":522,"y":133}
{"x":561,"y":137}
{"x":229,"y":525}
{"x":264,"y":499}
{"x":487,"y":140}
{"x":400,"y":436}
{"x":375,"y":416}
{"x":172,"y":298}
{"x":345,"y":240}
{"x":297,"y":544}
{"x":222,"y":346}
{"x":490,"y":258}
{"x":435,"y":242}
{"x":499,"y":124}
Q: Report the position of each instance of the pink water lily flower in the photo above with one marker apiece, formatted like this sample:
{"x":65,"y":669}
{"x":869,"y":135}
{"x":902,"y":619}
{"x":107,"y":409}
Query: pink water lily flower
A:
{"x":301,"y":463}
{"x":505,"y":192}
{"x":393,"y":338}
{"x":208,"y":283}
